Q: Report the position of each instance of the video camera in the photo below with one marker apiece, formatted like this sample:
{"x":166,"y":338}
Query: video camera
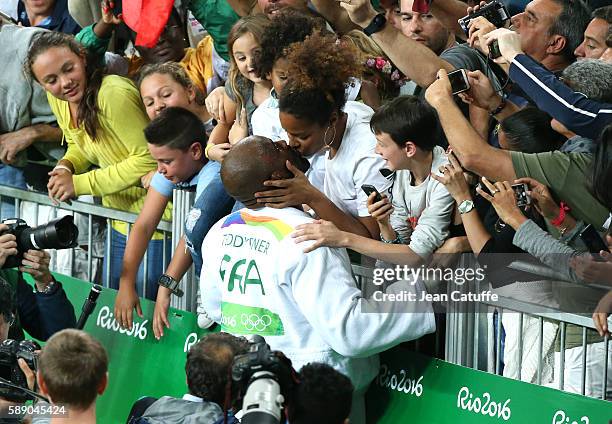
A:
{"x":10,"y":352}
{"x":264,"y":377}
{"x":494,"y":12}
{"x":60,"y":233}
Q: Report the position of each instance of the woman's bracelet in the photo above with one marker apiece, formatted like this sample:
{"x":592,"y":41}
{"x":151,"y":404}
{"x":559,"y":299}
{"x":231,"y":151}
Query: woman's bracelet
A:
{"x":208,"y":147}
{"x":62,"y":167}
{"x":396,"y":240}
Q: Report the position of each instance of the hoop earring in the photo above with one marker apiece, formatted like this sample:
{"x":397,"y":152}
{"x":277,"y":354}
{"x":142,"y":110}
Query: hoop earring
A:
{"x":333,"y":139}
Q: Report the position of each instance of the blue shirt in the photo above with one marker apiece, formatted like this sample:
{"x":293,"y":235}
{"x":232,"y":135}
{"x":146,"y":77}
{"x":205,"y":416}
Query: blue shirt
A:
{"x":60,"y":20}
{"x":574,"y":110}
{"x":164,"y":186}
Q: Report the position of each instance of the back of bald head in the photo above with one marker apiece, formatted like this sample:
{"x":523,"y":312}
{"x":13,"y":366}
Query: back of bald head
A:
{"x":248,"y":164}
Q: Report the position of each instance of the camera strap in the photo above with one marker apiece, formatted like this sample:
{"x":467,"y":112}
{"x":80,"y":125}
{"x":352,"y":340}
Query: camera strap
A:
{"x":23,"y":389}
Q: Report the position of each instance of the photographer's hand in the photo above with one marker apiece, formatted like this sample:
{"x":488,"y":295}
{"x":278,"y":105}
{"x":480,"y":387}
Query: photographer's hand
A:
{"x":509,"y":43}
{"x":28,"y":373}
{"x":36,"y":263}
{"x":8,"y":245}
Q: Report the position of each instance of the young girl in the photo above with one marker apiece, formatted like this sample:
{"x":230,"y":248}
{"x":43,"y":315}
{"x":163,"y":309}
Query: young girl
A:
{"x":102,"y":119}
{"x":244,"y":89}
{"x":164,"y":86}
{"x":316,"y":116}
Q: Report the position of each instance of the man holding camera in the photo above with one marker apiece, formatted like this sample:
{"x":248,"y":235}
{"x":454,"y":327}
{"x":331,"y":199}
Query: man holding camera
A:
{"x":208,"y":367}
{"x":41,"y":312}
{"x":550,"y":31}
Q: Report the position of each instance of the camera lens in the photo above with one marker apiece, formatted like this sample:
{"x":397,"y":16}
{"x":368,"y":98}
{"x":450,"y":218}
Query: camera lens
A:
{"x":57,"y":234}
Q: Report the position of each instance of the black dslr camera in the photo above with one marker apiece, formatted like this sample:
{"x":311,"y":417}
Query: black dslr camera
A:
{"x":494,"y":12}
{"x":264,"y":378}
{"x":60,"y":233}
{"x":10,"y":352}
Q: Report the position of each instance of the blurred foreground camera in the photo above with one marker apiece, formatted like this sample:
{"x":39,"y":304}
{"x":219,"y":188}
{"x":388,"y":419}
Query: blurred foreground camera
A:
{"x":494,"y":12}
{"x":60,"y":233}
{"x":262,"y":377}
{"x":10,"y":352}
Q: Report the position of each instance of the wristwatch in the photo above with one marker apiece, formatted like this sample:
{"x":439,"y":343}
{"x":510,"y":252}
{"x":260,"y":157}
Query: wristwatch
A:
{"x":171,"y":284}
{"x":466,"y":206}
{"x":376,"y":25}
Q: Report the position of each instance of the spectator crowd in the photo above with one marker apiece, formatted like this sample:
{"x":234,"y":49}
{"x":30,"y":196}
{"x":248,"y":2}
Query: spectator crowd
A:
{"x":315,"y":135}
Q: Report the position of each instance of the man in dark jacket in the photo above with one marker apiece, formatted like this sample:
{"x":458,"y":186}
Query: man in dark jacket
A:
{"x":42,"y":310}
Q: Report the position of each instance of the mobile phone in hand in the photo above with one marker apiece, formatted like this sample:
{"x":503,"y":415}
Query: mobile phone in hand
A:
{"x":520,"y":192}
{"x":593,"y":241}
{"x":369,"y":189}
{"x":459,"y":81}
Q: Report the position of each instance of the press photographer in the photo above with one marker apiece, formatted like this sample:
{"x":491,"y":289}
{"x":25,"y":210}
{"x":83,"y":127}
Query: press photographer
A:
{"x":42,"y":311}
{"x":271,"y":390}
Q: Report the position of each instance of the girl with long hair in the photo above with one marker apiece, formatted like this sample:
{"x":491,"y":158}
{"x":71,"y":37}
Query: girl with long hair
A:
{"x":102,"y":120}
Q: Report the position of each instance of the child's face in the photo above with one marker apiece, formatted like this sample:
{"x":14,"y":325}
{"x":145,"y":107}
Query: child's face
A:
{"x":244,"y":50}
{"x":394,"y":156}
{"x":61,"y":72}
{"x":175,"y":164}
{"x":279,"y":75}
{"x":160,"y":91}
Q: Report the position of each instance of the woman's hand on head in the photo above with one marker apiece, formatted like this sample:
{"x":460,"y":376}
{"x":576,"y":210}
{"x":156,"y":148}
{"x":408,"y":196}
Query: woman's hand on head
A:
{"x":240,"y":129}
{"x":218,"y":151}
{"x":288,"y":192}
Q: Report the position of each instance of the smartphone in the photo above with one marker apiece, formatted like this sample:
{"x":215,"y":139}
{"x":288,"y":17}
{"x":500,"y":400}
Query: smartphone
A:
{"x":520,"y":192}
{"x":7,"y":18}
{"x":494,"y":51}
{"x":459,"y":81}
{"x":369,"y":189}
{"x":593,"y":241}
{"x":118,"y":7}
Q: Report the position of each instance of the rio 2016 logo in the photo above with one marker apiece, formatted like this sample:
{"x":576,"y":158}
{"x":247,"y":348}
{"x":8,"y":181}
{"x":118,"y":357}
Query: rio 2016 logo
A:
{"x":107,"y":320}
{"x":562,"y":418}
{"x":402,"y":384}
{"x":467,"y":401}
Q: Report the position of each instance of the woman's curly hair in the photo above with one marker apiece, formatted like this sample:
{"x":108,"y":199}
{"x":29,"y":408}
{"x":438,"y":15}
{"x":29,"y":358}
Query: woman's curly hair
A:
{"x":319,"y":70}
{"x":290,"y":26}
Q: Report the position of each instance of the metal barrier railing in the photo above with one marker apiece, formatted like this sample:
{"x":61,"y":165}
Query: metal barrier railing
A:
{"x":474,"y":335}
{"x":31,"y":203}
{"x":470,"y":340}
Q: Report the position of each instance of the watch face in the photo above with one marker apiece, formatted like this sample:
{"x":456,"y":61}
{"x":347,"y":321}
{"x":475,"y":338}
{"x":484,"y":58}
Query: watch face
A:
{"x":466,"y":206}
{"x":164,"y":280}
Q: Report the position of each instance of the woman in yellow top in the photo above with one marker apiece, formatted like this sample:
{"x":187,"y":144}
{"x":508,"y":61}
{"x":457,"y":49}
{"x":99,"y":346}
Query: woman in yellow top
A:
{"x":102,"y":119}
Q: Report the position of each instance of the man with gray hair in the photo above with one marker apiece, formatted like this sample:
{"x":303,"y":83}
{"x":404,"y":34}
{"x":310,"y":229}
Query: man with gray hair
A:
{"x":591,"y":78}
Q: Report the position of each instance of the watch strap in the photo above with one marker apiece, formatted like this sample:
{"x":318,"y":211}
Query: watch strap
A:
{"x":376,"y":25}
